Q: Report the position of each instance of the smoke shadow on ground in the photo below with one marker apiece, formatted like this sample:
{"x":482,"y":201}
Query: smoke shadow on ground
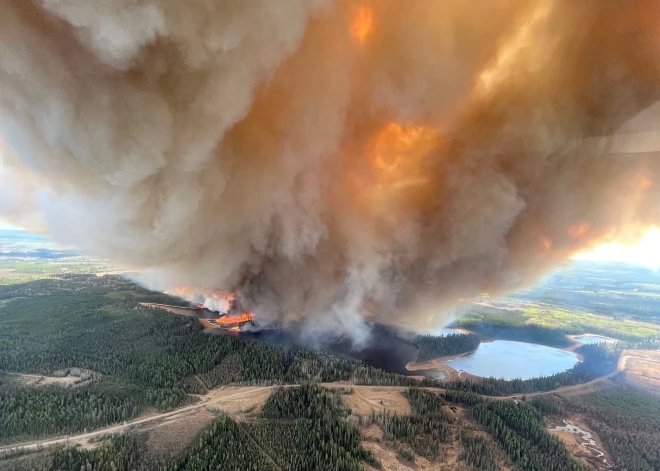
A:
{"x":386,"y":348}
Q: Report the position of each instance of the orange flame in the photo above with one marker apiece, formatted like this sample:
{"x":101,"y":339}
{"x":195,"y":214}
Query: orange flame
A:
{"x":546,"y":242}
{"x":578,"y":231}
{"x":644,"y":183}
{"x":398,"y":152}
{"x":240,"y":319}
{"x":363,"y":23}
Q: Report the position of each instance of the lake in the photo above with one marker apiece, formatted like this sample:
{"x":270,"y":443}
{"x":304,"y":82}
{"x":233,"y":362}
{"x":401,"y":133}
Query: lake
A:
{"x":510,"y":360}
{"x":589,"y":339}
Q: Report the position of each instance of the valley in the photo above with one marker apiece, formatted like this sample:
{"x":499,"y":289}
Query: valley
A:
{"x":95,"y":367}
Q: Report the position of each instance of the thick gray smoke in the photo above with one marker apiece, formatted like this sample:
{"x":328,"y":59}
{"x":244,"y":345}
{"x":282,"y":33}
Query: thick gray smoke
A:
{"x":327,"y":160}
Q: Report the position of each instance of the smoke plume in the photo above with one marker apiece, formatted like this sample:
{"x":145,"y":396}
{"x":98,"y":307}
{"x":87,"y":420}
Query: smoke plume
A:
{"x":330,"y":160}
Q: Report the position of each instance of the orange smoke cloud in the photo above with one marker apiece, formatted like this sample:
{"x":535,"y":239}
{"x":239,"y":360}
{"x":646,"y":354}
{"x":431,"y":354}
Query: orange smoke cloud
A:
{"x":362,"y":25}
{"x":578,"y":231}
{"x":315,"y":158}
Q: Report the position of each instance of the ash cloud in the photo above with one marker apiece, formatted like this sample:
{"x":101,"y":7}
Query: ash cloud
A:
{"x":332,"y":160}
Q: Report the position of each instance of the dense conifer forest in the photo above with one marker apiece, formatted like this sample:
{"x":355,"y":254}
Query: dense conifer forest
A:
{"x":97,"y":323}
{"x":53,"y":410}
{"x":453,"y":344}
{"x":140,"y":359}
{"x":626,"y":420}
{"x":426,"y":429}
{"x":519,"y":429}
{"x":478,"y":452}
{"x":306,"y":428}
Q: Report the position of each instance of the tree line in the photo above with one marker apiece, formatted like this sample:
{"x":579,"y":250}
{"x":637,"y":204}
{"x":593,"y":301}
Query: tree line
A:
{"x":96,"y":323}
{"x":52,"y":410}
{"x":305,"y":428}
{"x":426,"y":430}
{"x":431,"y":346}
{"x":626,"y":420}
{"x":519,"y":429}
{"x":599,"y":360}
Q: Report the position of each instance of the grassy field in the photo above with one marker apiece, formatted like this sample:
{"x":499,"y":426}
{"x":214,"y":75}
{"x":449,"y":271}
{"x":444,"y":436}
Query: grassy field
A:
{"x":557,"y":319}
{"x":28,"y":257}
{"x":610,"y":299}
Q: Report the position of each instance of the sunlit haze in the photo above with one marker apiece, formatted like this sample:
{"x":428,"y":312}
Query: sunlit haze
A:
{"x":4,"y":226}
{"x":646,"y":252}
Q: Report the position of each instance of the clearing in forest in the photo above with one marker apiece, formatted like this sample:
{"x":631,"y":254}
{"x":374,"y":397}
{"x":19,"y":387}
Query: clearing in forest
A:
{"x":365,"y":399}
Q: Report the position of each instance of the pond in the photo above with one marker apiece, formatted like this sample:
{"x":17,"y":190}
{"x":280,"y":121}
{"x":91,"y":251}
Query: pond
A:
{"x":510,"y":360}
{"x":589,"y":339}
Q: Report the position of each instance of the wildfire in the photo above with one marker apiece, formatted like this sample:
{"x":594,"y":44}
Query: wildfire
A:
{"x":516,"y":46}
{"x":215,"y":300}
{"x":546,"y":242}
{"x":363,"y":23}
{"x":239,"y":319}
{"x":644,"y":183}
{"x":398,"y":153}
{"x":578,"y":231}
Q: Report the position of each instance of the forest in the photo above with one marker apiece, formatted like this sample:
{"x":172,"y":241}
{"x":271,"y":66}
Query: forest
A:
{"x":97,"y":323}
{"x":299,"y":429}
{"x":429,"y":426}
{"x":431,"y":346}
{"x":477,"y":452}
{"x":626,"y":420}
{"x":310,"y":428}
{"x":306,"y":428}
{"x":53,"y":410}
{"x":518,"y":428}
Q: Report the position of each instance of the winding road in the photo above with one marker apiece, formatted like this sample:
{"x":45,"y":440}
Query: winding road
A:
{"x":215,"y":397}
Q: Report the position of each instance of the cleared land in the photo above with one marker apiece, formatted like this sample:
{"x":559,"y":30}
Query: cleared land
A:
{"x":364,"y":400}
{"x":583,"y":443}
{"x":241,"y":402}
{"x":172,"y":436}
{"x":228,"y":397}
{"x":642,"y":368}
{"x":39,"y":380}
{"x":439,"y":364}
{"x":179,"y":311}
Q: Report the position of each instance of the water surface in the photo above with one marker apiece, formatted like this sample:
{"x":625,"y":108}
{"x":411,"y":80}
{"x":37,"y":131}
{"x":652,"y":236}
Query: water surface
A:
{"x":510,"y":360}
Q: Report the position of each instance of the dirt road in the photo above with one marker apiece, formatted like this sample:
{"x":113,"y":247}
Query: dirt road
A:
{"x":214,"y":398}
{"x":218,"y":396}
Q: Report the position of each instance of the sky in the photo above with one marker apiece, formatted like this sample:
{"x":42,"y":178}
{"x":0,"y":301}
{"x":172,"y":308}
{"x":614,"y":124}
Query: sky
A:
{"x":646,"y":252}
{"x":5,"y":226}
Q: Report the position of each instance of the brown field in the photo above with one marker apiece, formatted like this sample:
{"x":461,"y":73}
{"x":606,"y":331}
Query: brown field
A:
{"x":239,"y":402}
{"x":391,"y":461}
{"x":5,"y":272}
{"x":179,"y":311}
{"x":172,"y":436}
{"x":386,"y":452}
{"x":438,"y":364}
{"x":365,"y":399}
{"x":38,"y":380}
{"x":642,"y":368}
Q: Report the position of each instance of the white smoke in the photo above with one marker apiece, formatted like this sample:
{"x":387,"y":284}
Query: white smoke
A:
{"x":322,"y":158}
